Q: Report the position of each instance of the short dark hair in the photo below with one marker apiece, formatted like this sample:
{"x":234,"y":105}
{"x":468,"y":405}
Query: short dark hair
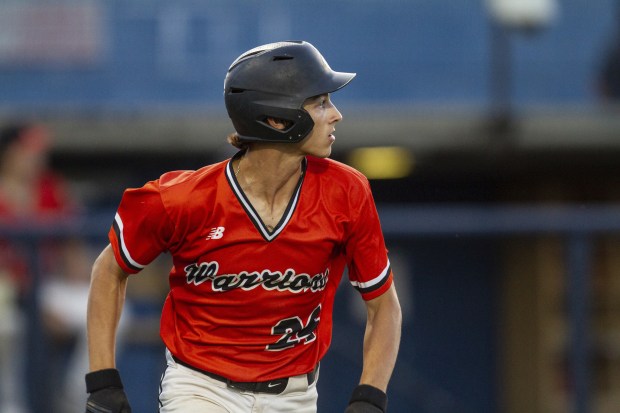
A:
{"x":9,"y":134}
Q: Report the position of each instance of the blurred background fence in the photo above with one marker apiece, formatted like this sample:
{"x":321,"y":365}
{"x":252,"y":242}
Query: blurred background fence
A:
{"x":490,"y":132}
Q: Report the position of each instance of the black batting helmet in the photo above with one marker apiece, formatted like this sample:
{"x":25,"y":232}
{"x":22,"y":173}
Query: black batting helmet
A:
{"x":274,"y":80}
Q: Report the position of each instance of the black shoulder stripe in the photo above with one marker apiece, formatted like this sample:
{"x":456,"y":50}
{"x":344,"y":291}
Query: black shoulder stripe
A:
{"x":374,"y":287}
{"x":119,"y":237}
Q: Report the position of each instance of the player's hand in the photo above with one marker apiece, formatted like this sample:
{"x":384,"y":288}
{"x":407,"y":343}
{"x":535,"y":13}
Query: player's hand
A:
{"x":106,"y":392}
{"x":367,"y":399}
{"x":362,"y":407}
{"x":108,"y":400}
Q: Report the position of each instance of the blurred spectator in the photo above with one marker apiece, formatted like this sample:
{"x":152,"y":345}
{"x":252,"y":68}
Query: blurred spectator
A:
{"x":28,"y":188}
{"x":64,"y":298}
{"x":29,"y":192}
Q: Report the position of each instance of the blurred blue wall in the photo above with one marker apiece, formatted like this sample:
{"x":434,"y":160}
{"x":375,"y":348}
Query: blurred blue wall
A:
{"x":409,"y":51}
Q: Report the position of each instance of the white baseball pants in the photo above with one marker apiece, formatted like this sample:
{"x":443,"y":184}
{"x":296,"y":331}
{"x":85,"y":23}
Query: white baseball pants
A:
{"x":184,"y":390}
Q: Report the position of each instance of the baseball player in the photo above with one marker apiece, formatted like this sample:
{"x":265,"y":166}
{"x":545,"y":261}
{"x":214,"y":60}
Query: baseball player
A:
{"x":259,"y":244}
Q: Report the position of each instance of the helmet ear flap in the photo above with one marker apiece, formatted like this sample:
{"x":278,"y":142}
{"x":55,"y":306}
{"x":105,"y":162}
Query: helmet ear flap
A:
{"x":300,"y":121}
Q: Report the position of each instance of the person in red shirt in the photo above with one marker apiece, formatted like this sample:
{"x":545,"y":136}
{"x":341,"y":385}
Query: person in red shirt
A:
{"x":259,"y":244}
{"x":30,"y":194}
{"x":30,"y":191}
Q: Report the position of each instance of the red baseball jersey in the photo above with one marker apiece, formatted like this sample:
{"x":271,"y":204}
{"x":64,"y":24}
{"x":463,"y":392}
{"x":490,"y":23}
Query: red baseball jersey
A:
{"x":245,"y":302}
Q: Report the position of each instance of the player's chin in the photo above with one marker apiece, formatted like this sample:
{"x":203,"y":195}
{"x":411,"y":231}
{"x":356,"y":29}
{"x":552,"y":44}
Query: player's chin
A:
{"x":319,"y":149}
{"x":327,"y":150}
{"x":323,"y":152}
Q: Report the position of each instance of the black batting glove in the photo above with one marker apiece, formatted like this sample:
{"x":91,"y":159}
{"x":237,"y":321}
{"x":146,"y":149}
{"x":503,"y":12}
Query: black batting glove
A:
{"x":367,"y":399}
{"x":106,"y":392}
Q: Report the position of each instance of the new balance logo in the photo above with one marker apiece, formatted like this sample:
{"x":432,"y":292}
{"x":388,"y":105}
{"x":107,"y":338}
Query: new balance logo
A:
{"x":216,"y":233}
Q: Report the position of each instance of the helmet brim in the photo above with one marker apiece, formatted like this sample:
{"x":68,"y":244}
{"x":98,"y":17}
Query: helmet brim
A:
{"x":335,"y":82}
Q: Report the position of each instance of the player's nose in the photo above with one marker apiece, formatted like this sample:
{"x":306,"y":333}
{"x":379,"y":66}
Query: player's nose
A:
{"x":336,"y":116}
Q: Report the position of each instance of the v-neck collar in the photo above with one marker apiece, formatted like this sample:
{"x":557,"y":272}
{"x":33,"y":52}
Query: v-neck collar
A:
{"x":251,"y":212}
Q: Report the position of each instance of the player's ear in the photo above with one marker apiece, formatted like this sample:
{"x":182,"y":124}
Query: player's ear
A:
{"x":279,"y":124}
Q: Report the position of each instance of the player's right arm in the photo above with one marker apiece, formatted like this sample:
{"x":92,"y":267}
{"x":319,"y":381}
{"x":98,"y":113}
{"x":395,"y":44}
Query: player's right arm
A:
{"x":105,"y":304}
{"x":140,"y":232}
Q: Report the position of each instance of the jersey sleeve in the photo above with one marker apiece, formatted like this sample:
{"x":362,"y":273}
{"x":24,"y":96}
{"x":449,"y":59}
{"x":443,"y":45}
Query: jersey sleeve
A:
{"x":141,"y":229}
{"x":369,"y":267}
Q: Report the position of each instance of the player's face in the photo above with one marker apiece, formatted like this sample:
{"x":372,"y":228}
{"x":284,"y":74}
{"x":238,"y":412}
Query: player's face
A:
{"x":325,"y":116}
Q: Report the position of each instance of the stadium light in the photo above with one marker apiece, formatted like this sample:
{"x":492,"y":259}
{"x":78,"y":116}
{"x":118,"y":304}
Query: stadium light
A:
{"x":527,"y":16}
{"x":523,"y":14}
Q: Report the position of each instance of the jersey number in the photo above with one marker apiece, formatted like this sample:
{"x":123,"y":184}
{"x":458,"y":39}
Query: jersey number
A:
{"x":293,"y":331}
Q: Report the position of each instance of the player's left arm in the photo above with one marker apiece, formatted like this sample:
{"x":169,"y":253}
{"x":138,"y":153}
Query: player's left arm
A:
{"x":370,"y":273}
{"x":381,"y":342}
{"x":381,"y":339}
